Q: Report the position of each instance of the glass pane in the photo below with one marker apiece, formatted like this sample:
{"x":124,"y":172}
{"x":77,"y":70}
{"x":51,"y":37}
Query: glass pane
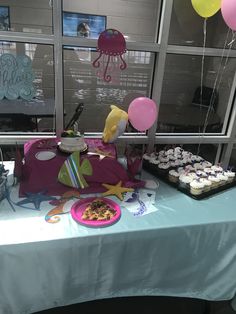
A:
{"x":135,"y":19}
{"x":232,"y":163}
{"x":186,"y":27}
{"x":180,"y":109}
{"x":81,"y":84}
{"x":29,"y":16}
{"x":27,"y":100}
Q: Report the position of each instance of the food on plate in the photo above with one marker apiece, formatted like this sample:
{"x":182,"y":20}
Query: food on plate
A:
{"x":98,"y":210}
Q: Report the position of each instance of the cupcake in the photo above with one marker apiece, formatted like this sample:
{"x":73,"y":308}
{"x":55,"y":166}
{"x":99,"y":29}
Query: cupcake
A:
{"x":217,"y":168}
{"x":201,"y":174}
{"x":206,"y":164}
{"x":147,"y":156}
{"x":170,"y":151}
{"x":214,"y":180}
{"x":209,"y":171}
{"x":184,"y":180}
{"x":163,"y":167}
{"x":198,"y":158}
{"x":163,"y":158}
{"x":173,"y":176}
{"x":223,"y":178}
{"x":198,"y":166}
{"x":189,"y":168}
{"x":178,"y":150}
{"x":181,"y":170}
{"x":207,"y":184}
{"x":230,"y":174}
{"x":196,"y":187}
{"x":154,"y":161}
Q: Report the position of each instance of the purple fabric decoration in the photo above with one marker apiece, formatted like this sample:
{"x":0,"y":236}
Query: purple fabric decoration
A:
{"x":38,"y":175}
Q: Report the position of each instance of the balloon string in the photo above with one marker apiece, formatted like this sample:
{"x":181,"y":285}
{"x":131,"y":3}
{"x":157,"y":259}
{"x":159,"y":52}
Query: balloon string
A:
{"x":217,"y":86}
{"x":213,"y":95}
{"x":202,"y":74}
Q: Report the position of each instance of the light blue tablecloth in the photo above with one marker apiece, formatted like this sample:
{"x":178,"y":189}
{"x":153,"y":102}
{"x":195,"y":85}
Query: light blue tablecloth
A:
{"x":186,"y":249}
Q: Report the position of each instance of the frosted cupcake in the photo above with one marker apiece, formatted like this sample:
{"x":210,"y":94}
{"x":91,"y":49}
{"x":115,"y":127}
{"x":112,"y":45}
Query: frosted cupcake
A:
{"x":189,"y":168}
{"x":217,"y":168}
{"x":198,"y":166}
{"x":147,"y":156}
{"x":154,"y":161}
{"x":198,"y":158}
{"x":207,"y":184}
{"x":209,"y":171}
{"x":163,"y":167}
{"x":163,"y":158}
{"x":201,"y":174}
{"x":185,"y":180}
{"x":170,"y":151}
{"x":181,"y":170}
{"x":173,"y":176}
{"x":206,"y":164}
{"x":196,"y":187}
{"x":230,"y":174}
{"x":223,"y":178}
{"x":214,"y":180}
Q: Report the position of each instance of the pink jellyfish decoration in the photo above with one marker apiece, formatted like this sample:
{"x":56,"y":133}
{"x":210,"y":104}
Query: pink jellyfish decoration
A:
{"x":111,"y":45}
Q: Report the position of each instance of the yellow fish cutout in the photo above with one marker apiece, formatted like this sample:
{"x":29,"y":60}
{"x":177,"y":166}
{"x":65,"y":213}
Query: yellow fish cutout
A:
{"x":115,"y":124}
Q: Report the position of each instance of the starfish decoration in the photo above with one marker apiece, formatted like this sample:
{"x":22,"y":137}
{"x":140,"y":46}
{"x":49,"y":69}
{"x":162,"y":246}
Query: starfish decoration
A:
{"x":116,"y":190}
{"x":36,"y":199}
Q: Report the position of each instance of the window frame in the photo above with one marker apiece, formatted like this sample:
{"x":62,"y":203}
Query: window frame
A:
{"x":225,"y":140}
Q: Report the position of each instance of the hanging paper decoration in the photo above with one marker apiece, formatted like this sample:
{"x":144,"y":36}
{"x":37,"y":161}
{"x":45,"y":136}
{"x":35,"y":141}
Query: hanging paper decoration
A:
{"x":206,"y":8}
{"x":115,"y":124}
{"x":72,"y":172}
{"x":16,"y":77}
{"x":112,"y":45}
{"x":228,"y":10}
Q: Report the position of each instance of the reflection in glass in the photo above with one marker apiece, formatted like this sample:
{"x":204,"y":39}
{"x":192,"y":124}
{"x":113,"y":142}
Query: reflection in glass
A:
{"x":186,"y":27}
{"x":232,"y":162}
{"x":28,"y":17}
{"x":135,"y":20}
{"x":36,"y":114}
{"x":81,"y":84}
{"x":182,"y":107}
{"x":83,"y":25}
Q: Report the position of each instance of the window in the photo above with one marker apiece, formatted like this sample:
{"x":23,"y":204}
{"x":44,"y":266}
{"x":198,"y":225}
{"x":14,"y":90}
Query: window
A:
{"x":27,"y":114}
{"x":81,"y":84}
{"x":166,"y":60}
{"x":26,"y":16}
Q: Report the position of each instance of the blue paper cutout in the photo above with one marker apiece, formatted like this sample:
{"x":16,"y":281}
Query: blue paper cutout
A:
{"x":16,"y":77}
{"x":36,"y":199}
{"x":142,"y":208}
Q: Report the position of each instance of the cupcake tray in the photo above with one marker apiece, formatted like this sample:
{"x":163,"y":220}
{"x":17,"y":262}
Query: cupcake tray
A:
{"x":164,"y":177}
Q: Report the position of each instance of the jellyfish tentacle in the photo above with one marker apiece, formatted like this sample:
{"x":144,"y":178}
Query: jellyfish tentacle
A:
{"x":96,"y":63}
{"x":123,"y":65}
{"x":106,"y":76}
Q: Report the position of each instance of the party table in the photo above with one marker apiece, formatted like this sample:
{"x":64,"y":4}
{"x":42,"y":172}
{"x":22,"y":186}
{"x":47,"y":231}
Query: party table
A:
{"x":186,"y":249}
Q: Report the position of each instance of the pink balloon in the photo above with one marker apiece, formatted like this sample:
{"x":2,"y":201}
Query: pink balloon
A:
{"x":142,"y":113}
{"x":228,"y":10}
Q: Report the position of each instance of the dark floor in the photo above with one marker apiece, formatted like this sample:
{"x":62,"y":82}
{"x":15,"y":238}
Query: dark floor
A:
{"x":146,"y":305}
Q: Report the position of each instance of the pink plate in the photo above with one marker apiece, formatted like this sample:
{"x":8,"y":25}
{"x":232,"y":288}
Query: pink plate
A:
{"x":78,"y":208}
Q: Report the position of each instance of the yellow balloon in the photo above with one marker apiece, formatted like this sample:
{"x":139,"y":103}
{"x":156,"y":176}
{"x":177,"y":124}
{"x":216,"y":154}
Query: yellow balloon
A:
{"x":206,"y":8}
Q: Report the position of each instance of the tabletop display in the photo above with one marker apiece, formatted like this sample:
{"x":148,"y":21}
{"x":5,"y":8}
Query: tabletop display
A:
{"x":189,"y":173}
